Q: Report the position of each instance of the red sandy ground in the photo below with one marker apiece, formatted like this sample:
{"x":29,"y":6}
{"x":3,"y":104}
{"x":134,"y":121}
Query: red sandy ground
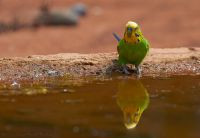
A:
{"x":166,"y":23}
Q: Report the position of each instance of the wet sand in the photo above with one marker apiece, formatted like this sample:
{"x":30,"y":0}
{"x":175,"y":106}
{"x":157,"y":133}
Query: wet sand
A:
{"x":158,"y":63}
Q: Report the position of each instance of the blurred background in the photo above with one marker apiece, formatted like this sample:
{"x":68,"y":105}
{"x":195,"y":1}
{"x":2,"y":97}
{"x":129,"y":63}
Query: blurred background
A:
{"x":30,"y":27}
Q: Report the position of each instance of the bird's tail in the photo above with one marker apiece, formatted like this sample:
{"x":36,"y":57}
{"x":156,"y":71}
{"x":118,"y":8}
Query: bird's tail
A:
{"x":116,"y":37}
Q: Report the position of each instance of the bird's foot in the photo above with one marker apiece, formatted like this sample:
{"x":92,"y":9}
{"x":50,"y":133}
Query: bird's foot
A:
{"x":125,"y":71}
{"x":138,"y":72}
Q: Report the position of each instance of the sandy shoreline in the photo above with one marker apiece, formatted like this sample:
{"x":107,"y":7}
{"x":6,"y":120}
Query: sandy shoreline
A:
{"x":159,"y":62}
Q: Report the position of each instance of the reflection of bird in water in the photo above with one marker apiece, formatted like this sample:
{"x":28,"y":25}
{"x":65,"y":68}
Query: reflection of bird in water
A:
{"x":133,"y":99}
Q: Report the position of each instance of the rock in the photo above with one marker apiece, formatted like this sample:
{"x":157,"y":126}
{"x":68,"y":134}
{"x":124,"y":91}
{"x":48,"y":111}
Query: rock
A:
{"x":80,"y":9}
{"x":56,"y":17}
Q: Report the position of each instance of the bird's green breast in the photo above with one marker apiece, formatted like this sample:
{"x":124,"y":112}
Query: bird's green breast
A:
{"x":132,"y":53}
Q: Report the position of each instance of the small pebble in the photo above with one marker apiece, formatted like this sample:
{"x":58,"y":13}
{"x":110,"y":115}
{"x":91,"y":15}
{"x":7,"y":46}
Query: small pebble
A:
{"x":15,"y":85}
{"x":76,"y":129}
{"x":80,"y":9}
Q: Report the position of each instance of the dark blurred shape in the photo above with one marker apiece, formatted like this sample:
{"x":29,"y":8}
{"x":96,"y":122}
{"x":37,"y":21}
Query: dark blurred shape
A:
{"x":80,"y":9}
{"x":14,"y":25}
{"x":133,"y":99}
{"x":44,"y":8}
{"x":3,"y":27}
{"x":56,"y":18}
{"x":69,"y":16}
{"x":48,"y":17}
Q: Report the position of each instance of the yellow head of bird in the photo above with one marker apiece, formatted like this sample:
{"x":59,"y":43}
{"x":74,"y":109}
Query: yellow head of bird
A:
{"x":132,"y":117}
{"x":132,"y":33}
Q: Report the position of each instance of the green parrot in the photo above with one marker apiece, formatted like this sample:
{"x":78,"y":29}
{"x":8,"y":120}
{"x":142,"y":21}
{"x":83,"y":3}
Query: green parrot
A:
{"x":133,"y":99}
{"x":133,"y":48}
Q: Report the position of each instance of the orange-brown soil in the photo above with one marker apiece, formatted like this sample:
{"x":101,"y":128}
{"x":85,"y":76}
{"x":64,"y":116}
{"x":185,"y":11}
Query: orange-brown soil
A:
{"x":171,"y":23}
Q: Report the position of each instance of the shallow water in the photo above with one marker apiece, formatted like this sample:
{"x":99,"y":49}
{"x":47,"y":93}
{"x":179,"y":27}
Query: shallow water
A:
{"x":115,"y":107}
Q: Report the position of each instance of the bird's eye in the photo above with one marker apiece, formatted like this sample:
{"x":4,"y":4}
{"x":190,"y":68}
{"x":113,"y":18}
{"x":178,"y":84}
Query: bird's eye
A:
{"x":129,"y":29}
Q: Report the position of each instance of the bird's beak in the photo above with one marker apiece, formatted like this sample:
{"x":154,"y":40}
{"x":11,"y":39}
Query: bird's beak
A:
{"x":129,"y":32}
{"x":130,"y":121}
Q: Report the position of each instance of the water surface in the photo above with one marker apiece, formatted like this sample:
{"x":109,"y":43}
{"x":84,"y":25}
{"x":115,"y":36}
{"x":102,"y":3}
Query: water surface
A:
{"x":115,"y":107}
